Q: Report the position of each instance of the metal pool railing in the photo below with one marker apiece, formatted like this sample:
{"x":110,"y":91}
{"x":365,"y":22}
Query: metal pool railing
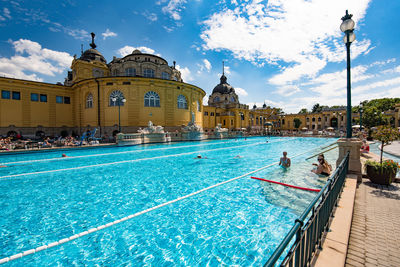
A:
{"x":305,"y":237}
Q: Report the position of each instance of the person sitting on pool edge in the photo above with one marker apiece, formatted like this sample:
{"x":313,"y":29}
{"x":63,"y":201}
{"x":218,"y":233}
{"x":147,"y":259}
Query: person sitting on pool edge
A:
{"x":365,"y":147}
{"x":285,"y":161}
{"x":323,"y":167}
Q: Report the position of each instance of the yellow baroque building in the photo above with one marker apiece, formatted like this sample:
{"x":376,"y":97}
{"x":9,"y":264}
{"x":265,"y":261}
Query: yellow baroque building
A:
{"x":334,"y":118}
{"x":128,"y":92}
{"x":225,"y":109}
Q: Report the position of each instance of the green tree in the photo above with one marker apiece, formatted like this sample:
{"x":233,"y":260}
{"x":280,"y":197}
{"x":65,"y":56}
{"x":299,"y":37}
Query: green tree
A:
{"x":386,"y":135}
{"x":297,"y":123}
{"x":303,"y":111}
{"x":316,"y":108}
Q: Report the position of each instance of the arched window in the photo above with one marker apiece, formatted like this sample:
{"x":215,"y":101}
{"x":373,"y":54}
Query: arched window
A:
{"x":319,"y":118}
{"x":119,"y":96}
{"x":151,"y":99}
{"x":182,"y":102}
{"x":130,"y":72}
{"x":89,"y":101}
{"x":115,"y":72}
{"x":232,"y":99}
{"x":216,"y":99}
{"x":148,"y":73}
{"x":198,"y":106}
{"x":165,"y":75}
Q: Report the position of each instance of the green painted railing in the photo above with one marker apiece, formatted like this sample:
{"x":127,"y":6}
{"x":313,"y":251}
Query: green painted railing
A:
{"x":305,"y":237}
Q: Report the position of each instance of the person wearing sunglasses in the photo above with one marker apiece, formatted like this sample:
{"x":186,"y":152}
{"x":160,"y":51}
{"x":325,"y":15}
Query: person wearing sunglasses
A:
{"x":323,"y":167}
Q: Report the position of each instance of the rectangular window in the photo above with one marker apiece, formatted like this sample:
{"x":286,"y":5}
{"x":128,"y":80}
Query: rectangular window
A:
{"x":67,"y":100}
{"x":165,"y":75}
{"x":5,"y":94}
{"x":216,"y":114}
{"x":34,"y":97}
{"x":205,"y":113}
{"x":16,"y":95}
{"x":126,"y":83}
{"x":43,"y":98}
{"x":212,"y":114}
{"x":109,"y":83}
{"x":59,"y":99}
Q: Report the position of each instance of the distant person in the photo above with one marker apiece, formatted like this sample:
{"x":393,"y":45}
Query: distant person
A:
{"x":323,"y":167}
{"x":285,"y":161}
{"x":237,"y":157}
{"x":365,"y":147}
{"x":200,"y":157}
{"x":64,"y":155}
{"x":3,"y":166}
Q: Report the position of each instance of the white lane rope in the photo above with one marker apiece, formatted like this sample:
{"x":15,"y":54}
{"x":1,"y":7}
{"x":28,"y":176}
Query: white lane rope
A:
{"x":127,"y":161}
{"x":101,"y":227}
{"x":103,"y":154}
{"x":111,"y":153}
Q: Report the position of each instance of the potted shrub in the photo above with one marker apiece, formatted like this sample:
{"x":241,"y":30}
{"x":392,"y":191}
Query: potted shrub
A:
{"x":383,"y":172}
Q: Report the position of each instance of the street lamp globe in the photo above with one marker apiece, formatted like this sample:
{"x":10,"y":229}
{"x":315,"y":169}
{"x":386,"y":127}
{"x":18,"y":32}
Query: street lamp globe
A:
{"x":114,"y":99}
{"x":347,"y":24}
{"x":351,"y":39}
{"x":123,"y":100}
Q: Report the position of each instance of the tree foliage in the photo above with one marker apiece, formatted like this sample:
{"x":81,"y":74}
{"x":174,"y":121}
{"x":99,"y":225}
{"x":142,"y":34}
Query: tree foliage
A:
{"x":303,"y":111}
{"x":297,"y":123}
{"x":373,"y":114}
{"x":386,"y":135}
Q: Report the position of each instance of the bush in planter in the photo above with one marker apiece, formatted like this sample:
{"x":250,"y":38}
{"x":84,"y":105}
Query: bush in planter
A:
{"x":383,"y":172}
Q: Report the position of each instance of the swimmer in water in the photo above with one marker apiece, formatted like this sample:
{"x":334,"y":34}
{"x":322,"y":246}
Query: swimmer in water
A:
{"x":200,"y":157}
{"x":64,"y":155}
{"x":285,"y":161}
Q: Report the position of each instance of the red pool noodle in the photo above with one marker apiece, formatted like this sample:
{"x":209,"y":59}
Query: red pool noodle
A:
{"x":288,"y":185}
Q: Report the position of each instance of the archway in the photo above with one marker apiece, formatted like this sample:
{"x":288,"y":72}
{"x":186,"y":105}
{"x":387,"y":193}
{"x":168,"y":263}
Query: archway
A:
{"x":334,"y":122}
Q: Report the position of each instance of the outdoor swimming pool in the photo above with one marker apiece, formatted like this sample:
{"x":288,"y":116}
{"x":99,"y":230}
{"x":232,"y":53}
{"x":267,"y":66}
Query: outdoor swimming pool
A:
{"x":45,"y":198}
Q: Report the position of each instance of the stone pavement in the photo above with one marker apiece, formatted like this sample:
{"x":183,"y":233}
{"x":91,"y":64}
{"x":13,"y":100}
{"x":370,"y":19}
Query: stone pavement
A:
{"x":375,"y":231}
{"x":393,"y":148}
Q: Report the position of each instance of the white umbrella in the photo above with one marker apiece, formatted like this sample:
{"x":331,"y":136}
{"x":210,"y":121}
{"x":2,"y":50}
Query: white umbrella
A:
{"x":330,"y":128}
{"x":304,"y":128}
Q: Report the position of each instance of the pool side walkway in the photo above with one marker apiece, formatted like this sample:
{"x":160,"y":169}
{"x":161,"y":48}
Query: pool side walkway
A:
{"x":375,"y":232}
{"x":367,"y":234}
{"x":393,"y":148}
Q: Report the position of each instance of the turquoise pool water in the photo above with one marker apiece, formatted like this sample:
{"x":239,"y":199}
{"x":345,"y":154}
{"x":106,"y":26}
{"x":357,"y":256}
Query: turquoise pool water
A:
{"x":45,"y":198}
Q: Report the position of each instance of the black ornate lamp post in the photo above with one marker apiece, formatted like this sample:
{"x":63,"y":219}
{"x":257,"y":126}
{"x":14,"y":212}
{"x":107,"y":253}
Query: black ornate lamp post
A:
{"x":119,"y":99}
{"x":347,"y":27}
{"x":361,"y":110}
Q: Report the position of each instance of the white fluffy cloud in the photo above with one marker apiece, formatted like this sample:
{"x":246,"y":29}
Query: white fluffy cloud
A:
{"x":241,"y":91}
{"x":302,"y":33}
{"x":126,"y":50}
{"x":173,"y":8}
{"x":185,"y":73}
{"x":31,"y":59}
{"x":207,"y":64}
{"x":108,"y":33}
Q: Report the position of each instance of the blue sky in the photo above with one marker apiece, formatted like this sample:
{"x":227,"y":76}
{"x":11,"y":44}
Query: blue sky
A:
{"x":288,"y":54}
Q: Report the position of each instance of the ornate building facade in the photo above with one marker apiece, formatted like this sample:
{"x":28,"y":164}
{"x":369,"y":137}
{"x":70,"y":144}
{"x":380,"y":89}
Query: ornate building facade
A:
{"x":224,"y":108}
{"x":127,"y":92}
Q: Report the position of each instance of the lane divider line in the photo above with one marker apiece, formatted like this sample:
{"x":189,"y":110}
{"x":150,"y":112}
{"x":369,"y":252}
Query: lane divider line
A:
{"x":288,"y":185}
{"x":104,"y":226}
{"x":111,"y":153}
{"x":126,"y":161}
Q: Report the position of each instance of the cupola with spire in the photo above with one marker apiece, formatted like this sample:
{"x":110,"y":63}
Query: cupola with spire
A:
{"x":92,"y":54}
